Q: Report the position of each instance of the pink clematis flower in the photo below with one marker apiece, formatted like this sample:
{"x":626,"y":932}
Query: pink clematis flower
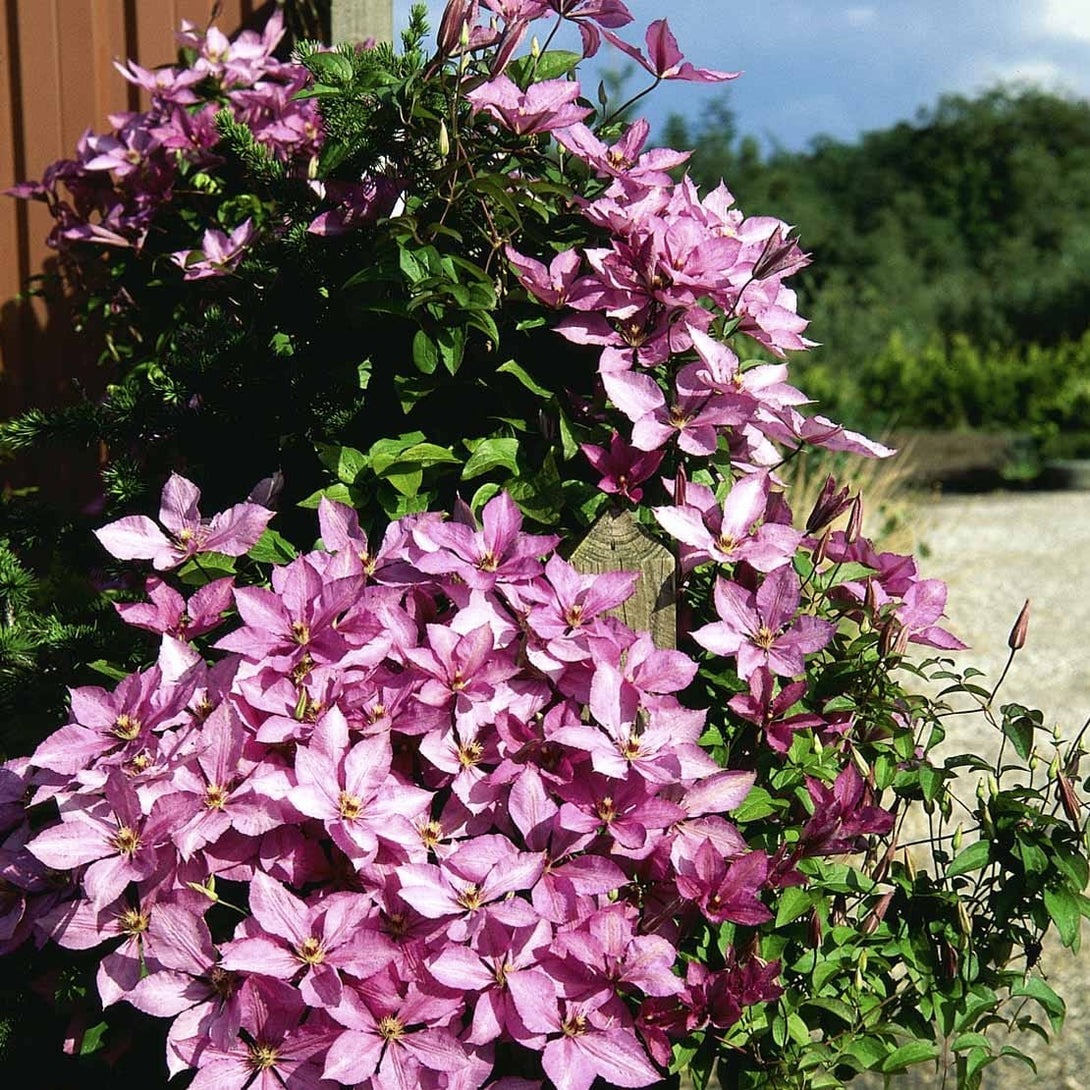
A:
{"x":545,"y":106}
{"x":232,"y":532}
{"x":625,"y":159}
{"x":219,"y":254}
{"x":729,"y":534}
{"x":764,"y":629}
{"x":170,"y":614}
{"x":727,"y":892}
{"x":759,"y":706}
{"x":586,"y":13}
{"x":664,"y":58}
{"x":552,"y":285}
{"x":623,"y":467}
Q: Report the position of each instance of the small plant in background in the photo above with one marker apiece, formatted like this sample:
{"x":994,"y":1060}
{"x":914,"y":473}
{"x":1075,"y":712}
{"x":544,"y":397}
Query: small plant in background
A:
{"x":410,"y":804}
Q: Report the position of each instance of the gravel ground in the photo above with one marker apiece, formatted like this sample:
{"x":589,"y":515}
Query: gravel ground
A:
{"x":994,"y":551}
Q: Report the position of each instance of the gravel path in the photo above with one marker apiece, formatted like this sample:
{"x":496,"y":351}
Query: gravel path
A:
{"x":994,"y":551}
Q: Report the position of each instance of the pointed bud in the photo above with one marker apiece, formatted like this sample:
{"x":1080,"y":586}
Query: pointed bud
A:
{"x":830,"y":503}
{"x":949,"y":957}
{"x":781,"y":254}
{"x":910,"y":866}
{"x":1054,"y":767}
{"x":876,"y":914}
{"x":813,"y":929}
{"x":444,"y":139}
{"x":964,"y":922}
{"x":603,"y":96}
{"x":870,"y":599}
{"x":855,"y":522}
{"x":889,"y":637}
{"x":312,"y":168}
{"x":681,"y":484}
{"x":993,"y":785}
{"x":1034,"y":760}
{"x":1057,"y":733}
{"x":535,"y":47}
{"x":1017,"y":639}
{"x":454,"y":27}
{"x":1069,"y":800}
{"x":883,"y":865}
{"x":822,"y":547}
{"x":463,"y":36}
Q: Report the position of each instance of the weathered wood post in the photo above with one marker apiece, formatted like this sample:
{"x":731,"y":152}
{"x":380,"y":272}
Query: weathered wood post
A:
{"x":356,"y":20}
{"x":617,"y":542}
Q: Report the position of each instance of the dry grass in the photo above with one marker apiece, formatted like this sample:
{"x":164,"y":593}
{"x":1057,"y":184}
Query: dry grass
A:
{"x":894,"y":508}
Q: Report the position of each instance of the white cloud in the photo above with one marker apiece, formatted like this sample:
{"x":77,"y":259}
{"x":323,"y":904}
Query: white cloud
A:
{"x":986,"y":71}
{"x":860,"y":16}
{"x":1067,"y":19}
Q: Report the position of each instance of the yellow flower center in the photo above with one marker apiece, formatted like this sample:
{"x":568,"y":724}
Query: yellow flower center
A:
{"x":300,"y":632}
{"x":262,"y":1057}
{"x":470,"y":754}
{"x":488,"y":562}
{"x":470,"y":898}
{"x":605,"y":809}
{"x":765,"y":637}
{"x":575,"y":1026}
{"x":390,"y":1028}
{"x":574,"y":616}
{"x":350,"y":806}
{"x":133,"y":922}
{"x":431,"y":832}
{"x":215,"y":796}
{"x":310,"y":951}
{"x":127,"y":727}
{"x":126,"y":840}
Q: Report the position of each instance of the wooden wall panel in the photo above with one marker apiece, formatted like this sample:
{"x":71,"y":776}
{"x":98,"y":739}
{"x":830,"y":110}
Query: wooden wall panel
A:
{"x":57,"y":79}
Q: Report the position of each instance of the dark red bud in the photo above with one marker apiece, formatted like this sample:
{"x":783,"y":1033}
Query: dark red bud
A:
{"x":876,"y":914}
{"x":855,"y":522}
{"x":870,"y":599}
{"x":681,"y":484}
{"x":450,"y":27}
{"x":822,"y":547}
{"x":889,"y":637}
{"x":813,"y":929}
{"x":1017,"y":639}
{"x":1069,"y":800}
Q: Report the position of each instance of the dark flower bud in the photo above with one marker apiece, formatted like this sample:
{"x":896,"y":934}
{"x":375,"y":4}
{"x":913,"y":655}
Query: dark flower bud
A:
{"x":870,"y":599}
{"x":1017,"y":639}
{"x":1069,"y":800}
{"x":876,"y":914}
{"x":829,"y":504}
{"x":813,"y":929}
{"x":681,"y":482}
{"x":822,"y":547}
{"x":889,"y":638}
{"x":855,"y":521}
{"x":781,"y":254}
{"x":455,"y":17}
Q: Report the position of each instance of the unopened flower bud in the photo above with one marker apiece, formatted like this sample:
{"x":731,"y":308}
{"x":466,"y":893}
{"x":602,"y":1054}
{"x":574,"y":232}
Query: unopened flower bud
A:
{"x":993,"y":785}
{"x":1069,"y":800}
{"x":312,"y":168}
{"x":822,"y":547}
{"x":890,"y":637}
{"x":535,"y":47}
{"x":463,"y":36}
{"x":964,"y":922}
{"x":1017,"y":639}
{"x":1054,"y":767}
{"x":1057,"y":733}
{"x":813,"y":929}
{"x":830,"y":503}
{"x":956,"y":839}
{"x":949,"y":957}
{"x":870,"y":599}
{"x":681,"y":483}
{"x":910,"y":866}
{"x":454,"y":27}
{"x":876,"y":914}
{"x":781,"y":254}
{"x":444,"y":139}
{"x":1034,"y":761}
{"x":855,"y":521}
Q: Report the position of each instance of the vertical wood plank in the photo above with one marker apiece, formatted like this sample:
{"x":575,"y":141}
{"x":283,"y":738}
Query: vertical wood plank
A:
{"x":617,"y":542}
{"x":356,"y":20}
{"x":13,"y":232}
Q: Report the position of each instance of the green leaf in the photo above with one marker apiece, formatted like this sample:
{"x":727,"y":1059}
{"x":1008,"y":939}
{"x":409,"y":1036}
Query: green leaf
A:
{"x":205,"y":569}
{"x":1052,"y":1004}
{"x":793,"y":903}
{"x":338,"y":493}
{"x":452,"y":343}
{"x":931,"y":781}
{"x":914,"y":1052}
{"x":330,"y":67}
{"x":553,"y":64}
{"x":273,"y":548}
{"x":833,"y":1006}
{"x":520,"y":372}
{"x":1018,"y":1054}
{"x":971,"y":858}
{"x":757,"y":804}
{"x":1018,"y":725}
{"x":868,"y":1051}
{"x":93,"y":1039}
{"x":407,"y":482}
{"x":425,"y":353}
{"x":491,"y":454}
{"x":107,"y":669}
{"x":346,"y":462}
{"x":1063,"y":908}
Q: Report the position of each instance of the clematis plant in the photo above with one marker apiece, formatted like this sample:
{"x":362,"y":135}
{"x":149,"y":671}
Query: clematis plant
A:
{"x":406,"y":795}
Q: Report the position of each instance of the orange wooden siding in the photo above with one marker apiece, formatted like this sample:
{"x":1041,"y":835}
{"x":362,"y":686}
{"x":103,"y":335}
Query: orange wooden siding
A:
{"x":56,"y":80}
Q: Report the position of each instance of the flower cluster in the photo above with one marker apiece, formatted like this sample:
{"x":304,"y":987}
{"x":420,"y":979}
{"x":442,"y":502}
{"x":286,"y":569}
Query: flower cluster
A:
{"x":111,"y":192}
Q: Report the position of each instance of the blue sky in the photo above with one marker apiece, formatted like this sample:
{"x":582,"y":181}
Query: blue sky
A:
{"x":841,"y":68}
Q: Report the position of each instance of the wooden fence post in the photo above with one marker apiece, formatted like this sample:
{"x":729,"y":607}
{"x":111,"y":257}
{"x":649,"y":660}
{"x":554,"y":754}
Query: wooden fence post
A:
{"x":356,"y":20}
{"x":617,"y":542}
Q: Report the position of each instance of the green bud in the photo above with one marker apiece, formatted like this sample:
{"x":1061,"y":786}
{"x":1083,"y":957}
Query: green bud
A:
{"x":535,"y":47}
{"x":444,"y":139}
{"x":955,"y":842}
